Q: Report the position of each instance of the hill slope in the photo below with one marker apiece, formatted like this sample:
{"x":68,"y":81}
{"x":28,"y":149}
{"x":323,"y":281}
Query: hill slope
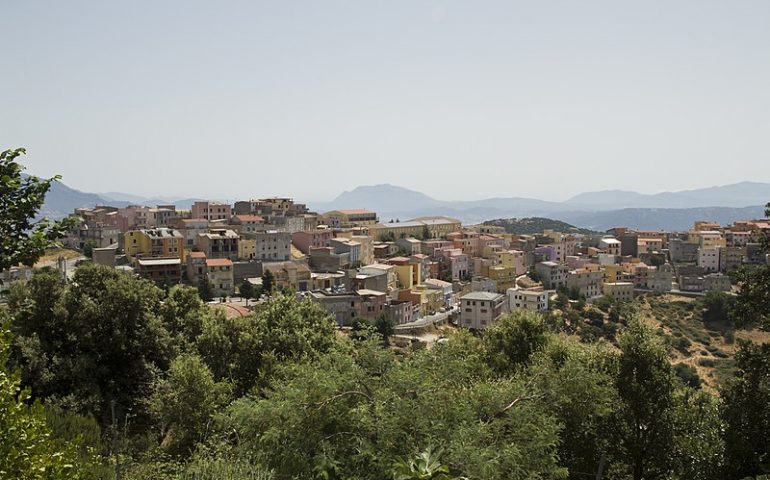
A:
{"x":534,"y":225}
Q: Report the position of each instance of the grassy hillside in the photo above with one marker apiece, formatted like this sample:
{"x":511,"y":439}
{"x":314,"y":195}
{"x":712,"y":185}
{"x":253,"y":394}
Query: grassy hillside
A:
{"x":533,"y":225}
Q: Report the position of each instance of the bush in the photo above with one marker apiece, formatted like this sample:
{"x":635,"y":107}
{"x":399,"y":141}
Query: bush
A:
{"x":688,"y":375}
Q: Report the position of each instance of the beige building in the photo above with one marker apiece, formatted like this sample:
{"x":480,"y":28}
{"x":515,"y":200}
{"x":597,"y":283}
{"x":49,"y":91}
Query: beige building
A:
{"x":436,"y":227}
{"x":480,"y":310}
{"x":219,"y":243}
{"x":349,"y":218}
{"x":219,"y":272}
{"x":620,"y":291}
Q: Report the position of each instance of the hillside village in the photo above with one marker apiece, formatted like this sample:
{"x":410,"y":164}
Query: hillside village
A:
{"x":427,"y":269}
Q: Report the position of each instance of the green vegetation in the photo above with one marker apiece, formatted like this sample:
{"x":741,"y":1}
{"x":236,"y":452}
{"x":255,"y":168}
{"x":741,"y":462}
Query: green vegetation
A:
{"x":23,"y":240}
{"x":109,"y":376}
{"x":535,"y":225}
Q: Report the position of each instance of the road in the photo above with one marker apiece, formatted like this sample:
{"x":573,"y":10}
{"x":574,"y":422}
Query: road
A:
{"x":425,"y":321}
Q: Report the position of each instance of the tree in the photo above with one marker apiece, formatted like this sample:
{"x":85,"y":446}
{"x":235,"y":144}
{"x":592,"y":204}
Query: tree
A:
{"x":93,"y":346}
{"x":88,"y":248}
{"x":186,"y":402}
{"x":246,"y":289}
{"x":27,"y":450}
{"x":205,"y":290}
{"x":247,"y":349}
{"x":385,"y":327}
{"x":23,"y":240}
{"x":513,"y":339}
{"x":425,"y":233}
{"x":268,"y":282}
{"x":644,"y":418}
{"x":746,"y":403}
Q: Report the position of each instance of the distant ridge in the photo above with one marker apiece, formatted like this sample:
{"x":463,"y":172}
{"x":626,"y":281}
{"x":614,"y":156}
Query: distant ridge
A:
{"x":590,"y":210}
{"x":533,"y":225}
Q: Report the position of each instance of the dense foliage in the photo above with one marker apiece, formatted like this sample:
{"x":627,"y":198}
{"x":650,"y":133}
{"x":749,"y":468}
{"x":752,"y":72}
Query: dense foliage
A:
{"x":22,"y":239}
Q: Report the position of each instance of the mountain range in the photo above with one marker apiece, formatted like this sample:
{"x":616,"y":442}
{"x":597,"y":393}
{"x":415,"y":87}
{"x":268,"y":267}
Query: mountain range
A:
{"x":593,"y":210}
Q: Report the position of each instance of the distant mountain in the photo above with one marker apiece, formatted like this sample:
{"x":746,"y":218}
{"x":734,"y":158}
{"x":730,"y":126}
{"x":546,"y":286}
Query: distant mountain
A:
{"x":380,"y":198}
{"x":61,"y":200}
{"x":669,"y":219}
{"x":736,"y":195}
{"x":532,"y":225}
{"x":591,"y":210}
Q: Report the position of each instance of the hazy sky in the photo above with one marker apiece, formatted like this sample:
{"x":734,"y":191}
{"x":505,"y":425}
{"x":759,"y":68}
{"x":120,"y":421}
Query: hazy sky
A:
{"x":460,"y":100}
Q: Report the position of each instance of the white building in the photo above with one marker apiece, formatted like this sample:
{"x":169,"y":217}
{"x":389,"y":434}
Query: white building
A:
{"x":708,"y":259}
{"x":480,"y":310}
{"x":536,"y":300}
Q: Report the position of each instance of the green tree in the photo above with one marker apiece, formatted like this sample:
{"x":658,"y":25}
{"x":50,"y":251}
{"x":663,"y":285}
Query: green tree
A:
{"x":513,"y":339}
{"x":246,"y":289}
{"x":355,"y":411}
{"x":23,"y":240}
{"x":644,"y":419}
{"x":27,"y":450}
{"x":745,"y":411}
{"x":385,"y":327}
{"x":247,"y":349}
{"x":268,"y":282}
{"x":93,"y":346}
{"x":205,"y":290}
{"x":88,"y":248}
{"x":186,"y":401}
{"x":698,"y":450}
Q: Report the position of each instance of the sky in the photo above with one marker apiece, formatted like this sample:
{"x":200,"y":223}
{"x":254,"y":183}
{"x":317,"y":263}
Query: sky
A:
{"x":460,"y":100}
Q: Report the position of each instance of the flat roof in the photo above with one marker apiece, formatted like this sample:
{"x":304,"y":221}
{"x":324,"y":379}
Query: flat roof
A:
{"x":149,"y":262}
{"x":481,"y":296}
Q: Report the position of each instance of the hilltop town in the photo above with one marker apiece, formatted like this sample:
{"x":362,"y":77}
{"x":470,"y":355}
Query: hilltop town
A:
{"x":427,"y":269}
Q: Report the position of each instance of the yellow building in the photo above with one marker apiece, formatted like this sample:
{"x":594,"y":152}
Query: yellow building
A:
{"x":505,"y":277}
{"x":350,"y":218}
{"x":155,"y":242}
{"x":247,"y":248}
{"x":409,"y":273}
{"x":436,"y":227}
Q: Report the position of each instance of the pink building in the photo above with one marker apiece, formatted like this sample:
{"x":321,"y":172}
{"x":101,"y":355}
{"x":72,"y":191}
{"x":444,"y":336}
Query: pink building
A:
{"x":211,"y":210}
{"x":305,"y":240}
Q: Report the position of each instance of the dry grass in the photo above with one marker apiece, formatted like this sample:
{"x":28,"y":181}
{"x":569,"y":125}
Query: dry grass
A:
{"x":711,"y":347}
{"x":51,"y":256}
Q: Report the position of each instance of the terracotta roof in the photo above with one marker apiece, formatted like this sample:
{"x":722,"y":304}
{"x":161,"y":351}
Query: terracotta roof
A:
{"x":197,"y":255}
{"x":250,"y":218}
{"x":219,"y":262}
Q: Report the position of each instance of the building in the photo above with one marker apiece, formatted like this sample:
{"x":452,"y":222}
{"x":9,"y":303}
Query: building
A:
{"x":432,"y":227}
{"x":211,"y":211}
{"x":480,"y":310}
{"x":351,"y":247}
{"x":708,"y":259}
{"x":586,"y":281}
{"x":155,"y":242}
{"x":345,"y":307}
{"x":272,"y":246}
{"x":290,"y":275}
{"x":218,"y":243}
{"x":620,"y":291}
{"x":536,"y":300}
{"x":611,"y":245}
{"x":196,"y":268}
{"x":307,"y":239}
{"x":166,"y":271}
{"x":400,"y":311}
{"x":349,"y":218}
{"x":717,"y":282}
{"x":247,"y":223}
{"x":553,"y":275}
{"x":219,"y":272}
